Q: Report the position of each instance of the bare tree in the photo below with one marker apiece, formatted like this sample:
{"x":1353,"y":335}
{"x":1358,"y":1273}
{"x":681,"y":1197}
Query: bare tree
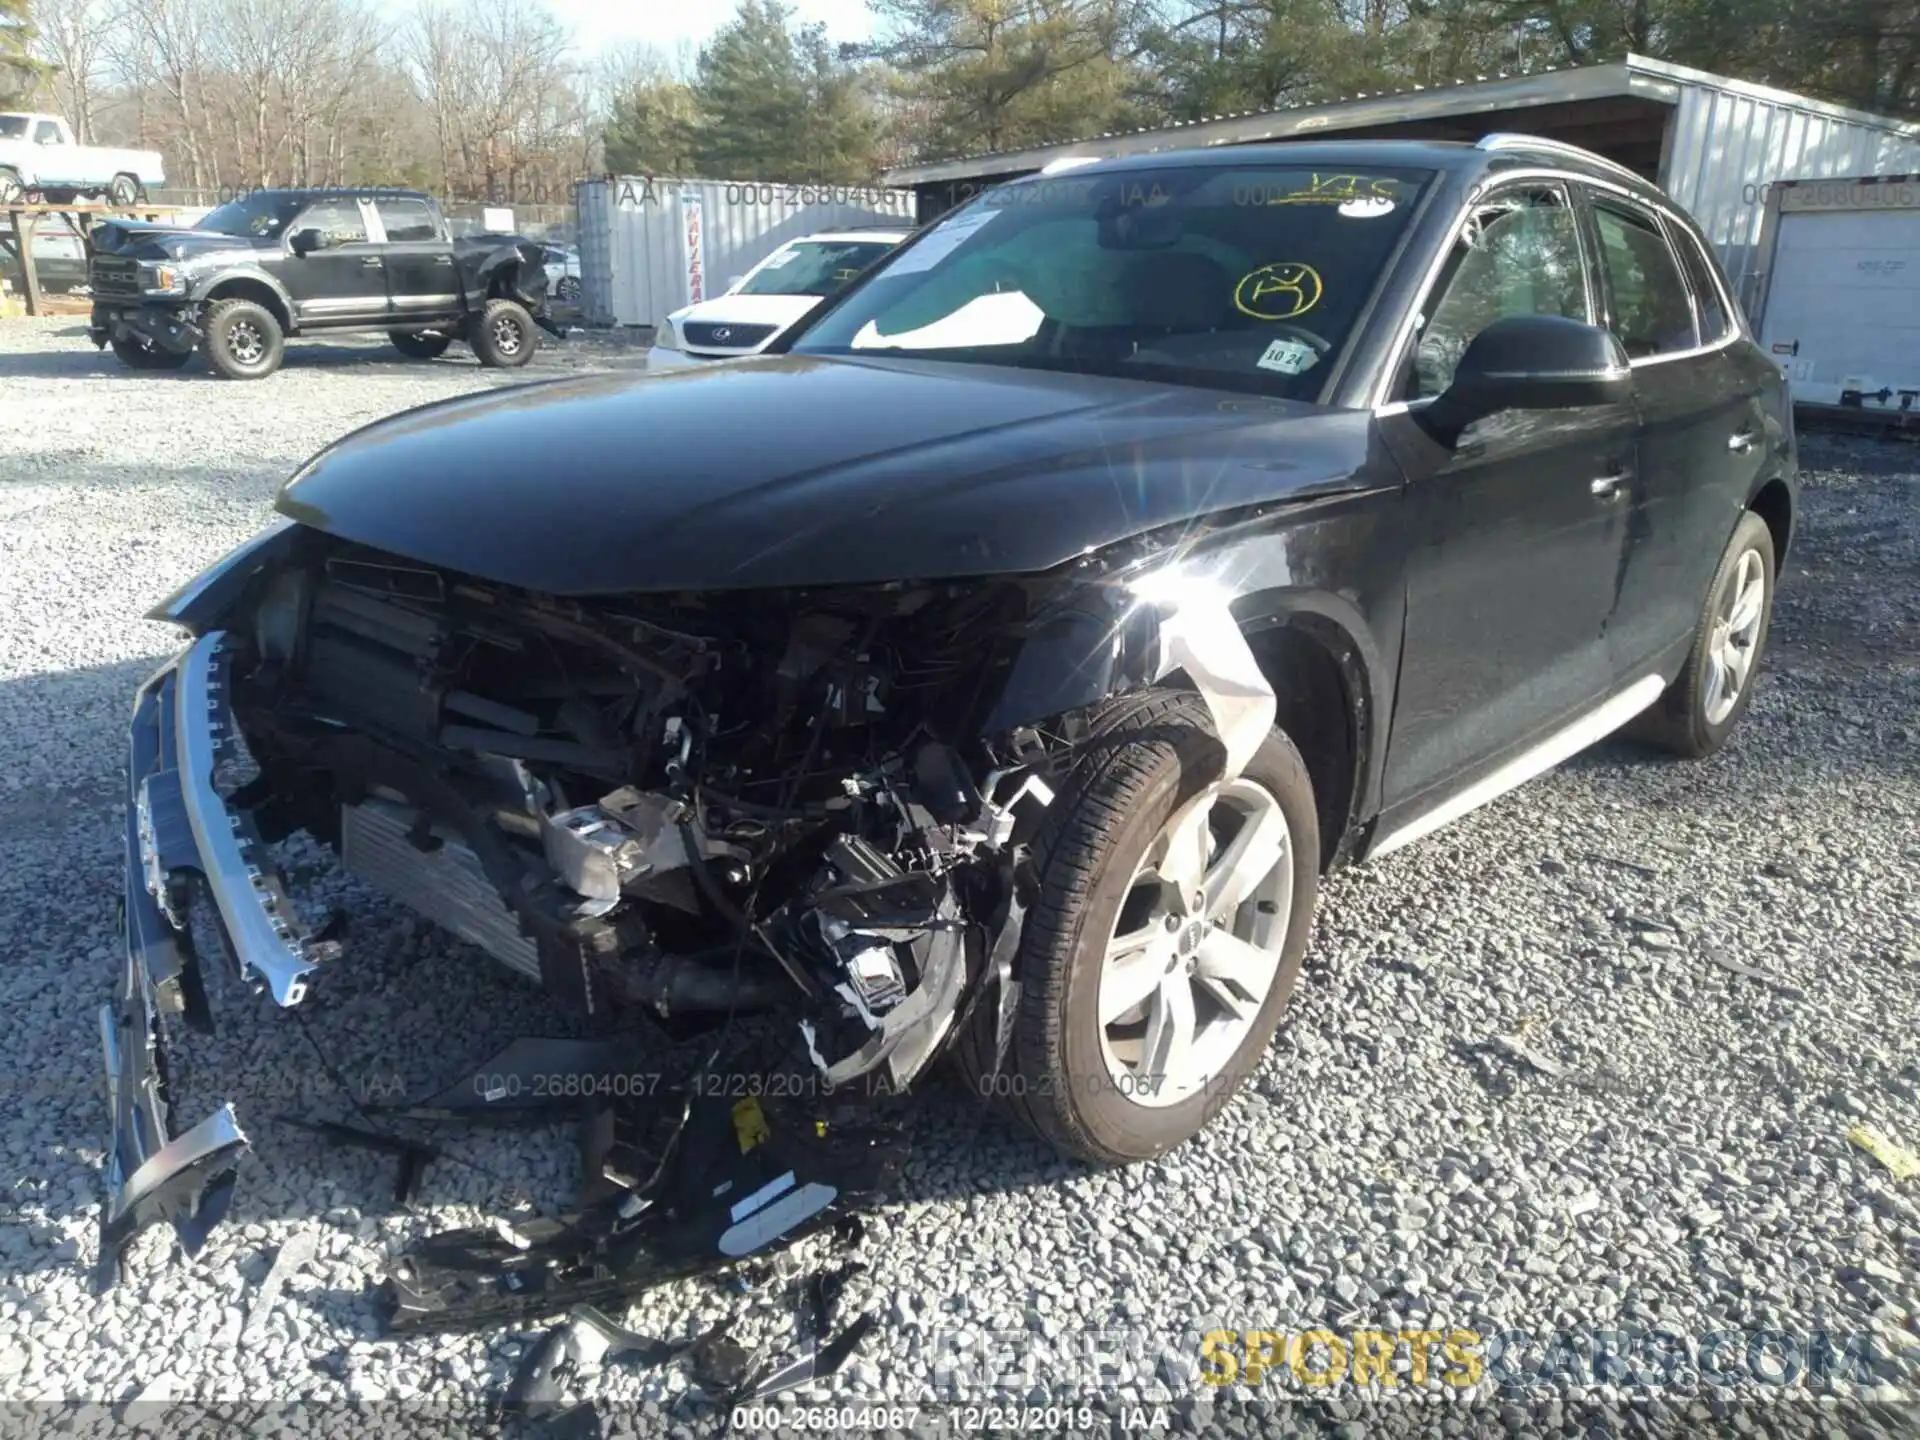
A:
{"x":72,"y":38}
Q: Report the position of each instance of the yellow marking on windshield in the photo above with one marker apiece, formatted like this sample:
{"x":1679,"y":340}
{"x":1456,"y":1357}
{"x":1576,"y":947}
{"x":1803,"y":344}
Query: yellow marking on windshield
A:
{"x":1338,"y":190}
{"x":1279,"y":291}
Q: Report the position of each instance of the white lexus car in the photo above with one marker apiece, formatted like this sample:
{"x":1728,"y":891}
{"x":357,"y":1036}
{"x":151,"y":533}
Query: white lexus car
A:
{"x":771,"y":296}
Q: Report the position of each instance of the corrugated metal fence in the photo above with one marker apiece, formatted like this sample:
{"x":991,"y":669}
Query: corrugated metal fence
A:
{"x":649,"y":246}
{"x":1727,"y":142}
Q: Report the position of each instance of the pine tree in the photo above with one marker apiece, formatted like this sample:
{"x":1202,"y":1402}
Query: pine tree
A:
{"x":651,"y":130}
{"x":20,"y":73}
{"x":1000,"y":74}
{"x":778,"y":104}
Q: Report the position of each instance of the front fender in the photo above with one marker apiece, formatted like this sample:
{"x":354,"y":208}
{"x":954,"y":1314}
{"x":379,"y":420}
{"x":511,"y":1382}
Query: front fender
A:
{"x":199,"y":289}
{"x":1094,"y":644}
{"x":1108,"y":639}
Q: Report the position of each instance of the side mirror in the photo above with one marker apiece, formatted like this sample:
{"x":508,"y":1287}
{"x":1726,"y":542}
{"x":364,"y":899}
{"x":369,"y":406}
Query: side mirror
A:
{"x":304,"y":242}
{"x":1531,"y":362}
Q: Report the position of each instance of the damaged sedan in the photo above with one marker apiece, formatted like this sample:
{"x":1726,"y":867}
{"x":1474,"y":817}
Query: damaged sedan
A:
{"x":988,"y":676}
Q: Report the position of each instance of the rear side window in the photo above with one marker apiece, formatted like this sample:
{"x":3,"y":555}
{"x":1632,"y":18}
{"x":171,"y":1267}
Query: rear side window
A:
{"x":47,"y":133}
{"x":1652,"y":312}
{"x":406,"y":219}
{"x":1715,"y":323}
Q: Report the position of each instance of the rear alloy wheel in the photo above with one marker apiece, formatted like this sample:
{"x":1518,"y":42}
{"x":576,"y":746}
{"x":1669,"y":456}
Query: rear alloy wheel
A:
{"x":125,"y":190}
{"x":1701,"y":707}
{"x":12,"y":192}
{"x":420,"y":344}
{"x":1166,"y":939}
{"x":243,"y":340}
{"x":502,"y":335}
{"x":137,"y":354}
{"x":567,"y":292}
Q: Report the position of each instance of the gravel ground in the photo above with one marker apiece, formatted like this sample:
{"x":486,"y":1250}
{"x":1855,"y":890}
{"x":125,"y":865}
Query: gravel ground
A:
{"x":1716,"y":968}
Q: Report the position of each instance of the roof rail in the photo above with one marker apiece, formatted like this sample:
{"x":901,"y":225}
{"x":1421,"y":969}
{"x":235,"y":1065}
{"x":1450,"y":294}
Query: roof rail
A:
{"x":1505,"y":140}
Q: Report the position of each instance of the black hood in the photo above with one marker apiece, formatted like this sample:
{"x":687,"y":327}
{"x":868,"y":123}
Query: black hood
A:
{"x":140,"y":241}
{"x":791,"y":470}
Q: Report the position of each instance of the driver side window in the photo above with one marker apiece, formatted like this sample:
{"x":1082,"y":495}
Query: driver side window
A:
{"x":338,"y":221}
{"x":1518,"y":254}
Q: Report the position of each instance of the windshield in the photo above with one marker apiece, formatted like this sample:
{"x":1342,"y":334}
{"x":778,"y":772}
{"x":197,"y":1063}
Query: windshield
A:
{"x":259,"y":215}
{"x":814,"y":267}
{"x":1230,"y":276}
{"x":13,"y":127}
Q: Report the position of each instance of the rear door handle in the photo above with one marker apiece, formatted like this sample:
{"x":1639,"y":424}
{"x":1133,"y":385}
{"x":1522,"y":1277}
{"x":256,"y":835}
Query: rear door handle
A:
{"x":373,"y":260}
{"x":443,"y":260}
{"x":1605,"y":487}
{"x":1741,"y":442}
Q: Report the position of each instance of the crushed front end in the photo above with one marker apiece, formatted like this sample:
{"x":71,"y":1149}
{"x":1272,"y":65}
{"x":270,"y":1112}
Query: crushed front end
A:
{"x":680,"y":805}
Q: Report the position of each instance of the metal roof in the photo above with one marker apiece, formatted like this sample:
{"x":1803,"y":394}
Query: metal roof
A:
{"x":1636,"y":77}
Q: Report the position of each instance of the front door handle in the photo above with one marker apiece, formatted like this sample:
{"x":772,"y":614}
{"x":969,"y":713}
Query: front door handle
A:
{"x":443,"y":260}
{"x":1605,"y":487}
{"x":1741,"y":442}
{"x":372,"y":260}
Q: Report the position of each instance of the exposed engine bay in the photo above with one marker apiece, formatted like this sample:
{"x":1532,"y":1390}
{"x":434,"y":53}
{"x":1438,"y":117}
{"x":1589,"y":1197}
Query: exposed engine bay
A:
{"x":667,"y":809}
{"x":698,"y":803}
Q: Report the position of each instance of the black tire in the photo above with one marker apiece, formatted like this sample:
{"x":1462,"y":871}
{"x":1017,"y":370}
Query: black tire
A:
{"x":503,"y":335}
{"x":1683,"y":719}
{"x":1146,"y":757}
{"x":416,"y":345}
{"x":124,"y":190}
{"x":567,"y":291}
{"x":11,"y":190}
{"x":243,"y":340}
{"x":138,"y":355}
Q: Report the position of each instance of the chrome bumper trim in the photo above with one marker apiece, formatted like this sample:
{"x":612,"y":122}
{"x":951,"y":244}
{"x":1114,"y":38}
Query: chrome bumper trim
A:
{"x":265,"y":931}
{"x":178,"y":825}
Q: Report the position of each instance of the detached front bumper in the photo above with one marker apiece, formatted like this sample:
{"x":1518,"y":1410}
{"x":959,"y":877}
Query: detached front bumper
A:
{"x":181,"y":833}
{"x":164,"y":325}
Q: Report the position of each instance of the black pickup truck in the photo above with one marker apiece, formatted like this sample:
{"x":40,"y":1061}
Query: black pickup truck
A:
{"x":293,"y":262}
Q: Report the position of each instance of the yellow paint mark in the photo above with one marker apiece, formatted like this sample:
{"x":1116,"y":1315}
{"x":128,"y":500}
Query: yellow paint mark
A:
{"x":1899,"y":1160}
{"x":1338,"y":190}
{"x":749,"y":1124}
{"x":1279,"y":291}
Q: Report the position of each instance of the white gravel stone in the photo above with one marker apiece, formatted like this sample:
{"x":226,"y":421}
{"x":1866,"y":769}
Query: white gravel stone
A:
{"x":1669,"y":1157}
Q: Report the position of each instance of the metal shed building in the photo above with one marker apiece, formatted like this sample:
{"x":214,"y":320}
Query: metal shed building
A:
{"x":1714,"y":144}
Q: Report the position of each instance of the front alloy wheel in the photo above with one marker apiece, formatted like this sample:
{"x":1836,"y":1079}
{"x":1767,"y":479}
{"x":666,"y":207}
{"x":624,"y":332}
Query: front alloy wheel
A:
{"x":242,"y":339}
{"x":1165,"y":939}
{"x":1198,"y":944}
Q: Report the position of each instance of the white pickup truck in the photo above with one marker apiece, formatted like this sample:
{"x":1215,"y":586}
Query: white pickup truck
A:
{"x":38,"y":153}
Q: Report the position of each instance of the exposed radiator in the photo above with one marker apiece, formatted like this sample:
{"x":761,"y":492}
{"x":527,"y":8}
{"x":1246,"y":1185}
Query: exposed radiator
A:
{"x":448,"y":885}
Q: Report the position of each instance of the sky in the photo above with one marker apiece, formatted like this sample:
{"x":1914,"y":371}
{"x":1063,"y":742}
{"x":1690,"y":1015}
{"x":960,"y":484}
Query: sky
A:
{"x":600,"y":24}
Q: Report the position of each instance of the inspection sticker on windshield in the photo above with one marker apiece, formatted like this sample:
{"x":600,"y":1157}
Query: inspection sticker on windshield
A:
{"x":1366,"y":207}
{"x":1289,"y":357}
{"x":940,"y":242}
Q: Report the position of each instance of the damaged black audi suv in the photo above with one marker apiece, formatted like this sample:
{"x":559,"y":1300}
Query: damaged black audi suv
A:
{"x":991,"y":672}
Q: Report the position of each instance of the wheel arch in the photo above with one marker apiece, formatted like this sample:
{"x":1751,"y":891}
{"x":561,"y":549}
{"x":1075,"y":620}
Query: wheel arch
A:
{"x":1327,"y":683}
{"x":1773,"y":502}
{"x":257,"y":288}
